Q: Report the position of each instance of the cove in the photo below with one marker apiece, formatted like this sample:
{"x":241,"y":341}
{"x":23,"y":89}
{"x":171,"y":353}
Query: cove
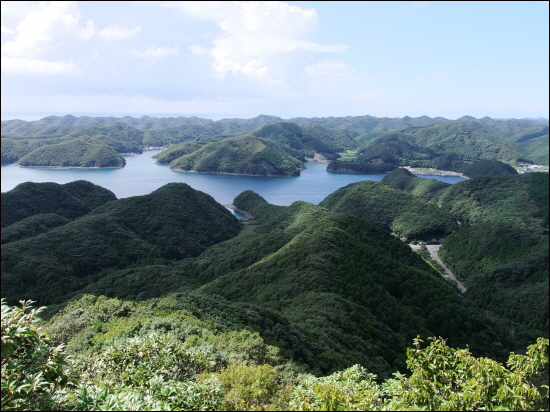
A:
{"x":142,"y":175}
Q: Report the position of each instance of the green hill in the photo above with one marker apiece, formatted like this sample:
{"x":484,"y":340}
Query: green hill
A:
{"x":173,"y":222}
{"x":406,"y":215}
{"x":426,"y":189}
{"x":396,"y":148}
{"x":299,"y":288}
{"x":73,"y":153}
{"x":501,"y":248}
{"x":470,"y":140}
{"x":488,"y":168}
{"x":467,"y":138}
{"x":360,"y":166}
{"x":535,"y":144}
{"x":301,"y":261}
{"x":70,"y":200}
{"x":449,"y":145}
{"x":384,"y":154}
{"x":14,"y":149}
{"x":521,"y":200}
{"x":246,"y":155}
{"x":32,"y":226}
{"x":178,"y":150}
{"x":307,"y":140}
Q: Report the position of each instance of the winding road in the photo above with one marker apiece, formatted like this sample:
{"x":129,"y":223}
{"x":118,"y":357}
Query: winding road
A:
{"x":434,"y":249}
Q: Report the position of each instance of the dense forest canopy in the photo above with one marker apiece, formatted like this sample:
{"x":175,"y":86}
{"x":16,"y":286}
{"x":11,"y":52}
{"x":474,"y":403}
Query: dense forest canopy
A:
{"x":381,"y":144}
{"x":300,"y":307}
{"x":247,"y":155}
{"x":287,"y":259}
{"x":179,"y":359}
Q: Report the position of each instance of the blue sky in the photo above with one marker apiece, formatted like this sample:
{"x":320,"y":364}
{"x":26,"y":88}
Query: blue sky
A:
{"x":287,"y":59}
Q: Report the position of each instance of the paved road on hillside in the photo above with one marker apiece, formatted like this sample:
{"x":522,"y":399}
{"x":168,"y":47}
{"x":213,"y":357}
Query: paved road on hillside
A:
{"x":434,"y":249}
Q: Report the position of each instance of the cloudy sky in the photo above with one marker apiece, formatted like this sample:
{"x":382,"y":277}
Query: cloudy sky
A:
{"x":287,"y":59}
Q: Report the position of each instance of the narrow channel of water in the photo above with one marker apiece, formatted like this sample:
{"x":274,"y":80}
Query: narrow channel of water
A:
{"x":141,"y":176}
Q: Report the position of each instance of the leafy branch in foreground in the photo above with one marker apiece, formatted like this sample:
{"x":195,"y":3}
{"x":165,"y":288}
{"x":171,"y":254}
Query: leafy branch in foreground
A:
{"x":442,"y":378}
{"x":32,"y":370}
{"x":162,"y":372}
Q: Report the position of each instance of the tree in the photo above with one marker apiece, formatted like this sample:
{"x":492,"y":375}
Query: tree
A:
{"x":32,"y":369}
{"x":444,"y":378}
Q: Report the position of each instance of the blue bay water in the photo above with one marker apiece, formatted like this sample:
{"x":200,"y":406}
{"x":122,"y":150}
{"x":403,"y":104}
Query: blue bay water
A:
{"x":141,"y":176}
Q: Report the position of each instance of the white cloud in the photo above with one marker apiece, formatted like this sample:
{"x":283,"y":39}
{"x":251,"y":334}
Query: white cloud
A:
{"x":19,"y":66}
{"x":256,"y":37}
{"x":46,"y":27}
{"x":88,"y":31}
{"x":5,"y":30}
{"x":16,"y":9}
{"x":112,"y":33}
{"x":153,"y":53}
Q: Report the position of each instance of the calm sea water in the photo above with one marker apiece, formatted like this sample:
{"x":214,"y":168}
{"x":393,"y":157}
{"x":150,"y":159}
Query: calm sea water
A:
{"x":141,"y":176}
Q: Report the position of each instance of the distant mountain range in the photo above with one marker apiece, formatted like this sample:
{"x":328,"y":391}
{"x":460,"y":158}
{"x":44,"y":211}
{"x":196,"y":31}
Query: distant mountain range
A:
{"x":336,"y":282}
{"x":381,"y":144}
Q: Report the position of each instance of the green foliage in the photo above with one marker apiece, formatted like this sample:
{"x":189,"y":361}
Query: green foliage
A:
{"x":351,"y":389}
{"x":173,"y":152}
{"x":441,"y":378}
{"x":246,"y":154}
{"x":427,"y":189}
{"x":32,"y":226}
{"x":174,"y":221}
{"x":366,"y":167}
{"x":153,"y":368}
{"x":248,"y":387}
{"x":70,"y":200}
{"x":488,"y":167}
{"x":32,"y":369}
{"x":518,"y":200}
{"x":423,"y":141}
{"x":156,"y":366}
{"x":303,"y":141}
{"x":404,"y":214}
{"x":451,"y":379}
{"x":73,"y":153}
{"x":301,"y":259}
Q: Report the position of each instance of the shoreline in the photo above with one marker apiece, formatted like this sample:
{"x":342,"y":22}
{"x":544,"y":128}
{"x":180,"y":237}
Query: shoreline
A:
{"x":318,"y":159}
{"x":434,"y":172}
{"x":75,"y":167}
{"x":232,"y":174}
{"x":247,"y":216}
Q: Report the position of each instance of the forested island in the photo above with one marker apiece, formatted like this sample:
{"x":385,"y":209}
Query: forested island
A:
{"x":243,"y":155}
{"x":269,"y":145}
{"x":303,"y":307}
{"x":73,"y":153}
{"x":167,"y":301}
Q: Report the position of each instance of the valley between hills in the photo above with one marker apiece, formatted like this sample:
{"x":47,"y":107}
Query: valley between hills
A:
{"x":168,"y":301}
